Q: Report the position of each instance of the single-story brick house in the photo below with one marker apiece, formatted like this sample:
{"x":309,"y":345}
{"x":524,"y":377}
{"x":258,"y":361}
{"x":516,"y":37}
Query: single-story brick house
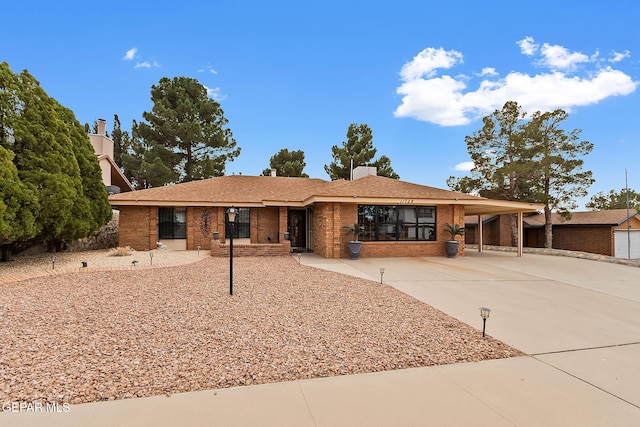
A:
{"x":605,"y":232}
{"x":399,"y":218}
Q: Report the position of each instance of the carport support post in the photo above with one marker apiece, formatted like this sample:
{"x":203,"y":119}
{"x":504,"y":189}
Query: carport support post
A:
{"x":480,"y":233}
{"x":520,"y":232}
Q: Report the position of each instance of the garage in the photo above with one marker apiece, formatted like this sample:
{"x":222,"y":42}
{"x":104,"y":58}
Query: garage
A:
{"x":625,"y":240}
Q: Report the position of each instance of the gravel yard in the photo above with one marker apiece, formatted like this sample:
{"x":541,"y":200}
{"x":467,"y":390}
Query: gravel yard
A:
{"x":90,"y":336}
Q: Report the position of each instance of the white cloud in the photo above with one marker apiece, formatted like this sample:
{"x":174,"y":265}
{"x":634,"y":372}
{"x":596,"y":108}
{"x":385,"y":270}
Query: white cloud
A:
{"x":448,"y":100}
{"x":215,"y":93}
{"x":428,"y":61}
{"x":617,"y":56}
{"x":147,"y":64}
{"x":130,"y":55}
{"x":488,"y":71}
{"x":528,"y":46}
{"x":209,"y":69}
{"x":560,"y":58}
{"x":464,"y":166}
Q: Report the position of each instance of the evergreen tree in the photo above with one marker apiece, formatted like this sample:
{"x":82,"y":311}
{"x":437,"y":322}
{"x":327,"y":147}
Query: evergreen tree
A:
{"x":614,"y":200}
{"x":502,"y":161}
{"x":558,"y":178}
{"x":185,"y":131}
{"x":53,"y":156}
{"x":532,"y":160}
{"x":358,"y":150}
{"x":92,"y":204}
{"x":18,"y":207}
{"x":142,"y":162}
{"x":287,"y":163}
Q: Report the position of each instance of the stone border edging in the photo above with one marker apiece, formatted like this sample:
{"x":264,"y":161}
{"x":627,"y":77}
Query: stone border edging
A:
{"x":60,"y":271}
{"x":561,"y":252}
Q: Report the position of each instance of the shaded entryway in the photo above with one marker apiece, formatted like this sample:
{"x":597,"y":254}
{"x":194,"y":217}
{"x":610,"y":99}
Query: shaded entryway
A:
{"x":297,"y":227}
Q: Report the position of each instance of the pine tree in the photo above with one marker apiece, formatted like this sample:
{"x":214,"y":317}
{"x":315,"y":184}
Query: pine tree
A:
{"x":358,"y":150}
{"x":185,"y":131}
{"x":287,"y":163}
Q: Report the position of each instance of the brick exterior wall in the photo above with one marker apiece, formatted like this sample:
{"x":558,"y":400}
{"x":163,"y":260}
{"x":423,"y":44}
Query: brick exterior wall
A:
{"x":267,"y":225}
{"x":326,"y":217}
{"x":583,"y":238}
{"x":197,"y":234}
{"x":330,"y":238}
{"x":138,"y":227}
{"x":596,"y":240}
{"x":276,"y":249}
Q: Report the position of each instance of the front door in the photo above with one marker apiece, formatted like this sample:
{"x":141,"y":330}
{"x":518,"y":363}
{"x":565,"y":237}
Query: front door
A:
{"x":298,"y":229}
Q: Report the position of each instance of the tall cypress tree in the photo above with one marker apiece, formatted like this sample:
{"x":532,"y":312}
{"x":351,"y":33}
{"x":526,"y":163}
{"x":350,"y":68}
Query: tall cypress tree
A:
{"x":18,"y":206}
{"x":53,"y":155}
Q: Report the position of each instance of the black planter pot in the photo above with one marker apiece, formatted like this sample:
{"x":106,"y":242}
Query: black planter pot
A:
{"x":451,"y":248}
{"x":354,"y":249}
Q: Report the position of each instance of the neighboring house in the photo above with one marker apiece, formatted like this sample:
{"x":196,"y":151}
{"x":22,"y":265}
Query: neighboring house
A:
{"x":399,"y":218}
{"x":606,"y":232}
{"x":113,"y":178}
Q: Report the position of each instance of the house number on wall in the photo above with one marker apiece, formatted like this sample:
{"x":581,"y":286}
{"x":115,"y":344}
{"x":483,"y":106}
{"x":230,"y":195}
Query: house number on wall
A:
{"x":405,"y":201}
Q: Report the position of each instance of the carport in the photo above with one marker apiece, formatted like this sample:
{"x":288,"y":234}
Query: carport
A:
{"x":496,"y":207}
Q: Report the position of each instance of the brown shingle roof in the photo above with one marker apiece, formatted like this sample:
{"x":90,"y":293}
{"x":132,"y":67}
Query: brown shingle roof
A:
{"x":227,"y":189}
{"x":381,"y":187}
{"x":609,"y":217}
{"x":242,"y":189}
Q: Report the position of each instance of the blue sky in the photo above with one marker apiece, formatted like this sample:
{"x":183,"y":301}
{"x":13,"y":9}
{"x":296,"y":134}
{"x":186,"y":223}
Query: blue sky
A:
{"x":294,"y":75}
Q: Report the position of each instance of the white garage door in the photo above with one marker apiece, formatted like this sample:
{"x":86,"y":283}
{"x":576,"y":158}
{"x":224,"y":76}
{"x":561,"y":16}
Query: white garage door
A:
{"x":622,"y":239}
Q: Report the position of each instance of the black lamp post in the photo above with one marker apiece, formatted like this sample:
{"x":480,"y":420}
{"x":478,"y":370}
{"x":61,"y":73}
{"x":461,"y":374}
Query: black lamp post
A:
{"x":231,"y":216}
{"x":484,"y":313}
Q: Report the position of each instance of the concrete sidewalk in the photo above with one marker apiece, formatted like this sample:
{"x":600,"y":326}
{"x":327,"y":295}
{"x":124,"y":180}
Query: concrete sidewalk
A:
{"x":578,"y":320}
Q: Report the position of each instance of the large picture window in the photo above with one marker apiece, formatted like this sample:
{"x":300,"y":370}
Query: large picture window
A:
{"x":382,"y":223}
{"x":172,"y":223}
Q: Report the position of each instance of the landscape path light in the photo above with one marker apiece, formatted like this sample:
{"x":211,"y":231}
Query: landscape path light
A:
{"x":381,"y":274}
{"x":484,"y":313}
{"x":231,"y":216}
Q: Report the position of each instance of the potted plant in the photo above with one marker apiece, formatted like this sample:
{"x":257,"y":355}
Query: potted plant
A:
{"x":451,"y":246}
{"x":354,"y":245}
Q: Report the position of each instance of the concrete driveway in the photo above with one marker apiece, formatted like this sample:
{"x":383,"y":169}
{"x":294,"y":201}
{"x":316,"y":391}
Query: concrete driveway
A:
{"x":579,"y":317}
{"x":577,"y":320}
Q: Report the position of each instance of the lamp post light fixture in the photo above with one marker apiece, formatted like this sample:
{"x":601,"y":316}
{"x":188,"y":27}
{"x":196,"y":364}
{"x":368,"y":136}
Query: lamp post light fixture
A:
{"x":484,"y":313}
{"x":381,"y":274}
{"x":231,"y":216}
